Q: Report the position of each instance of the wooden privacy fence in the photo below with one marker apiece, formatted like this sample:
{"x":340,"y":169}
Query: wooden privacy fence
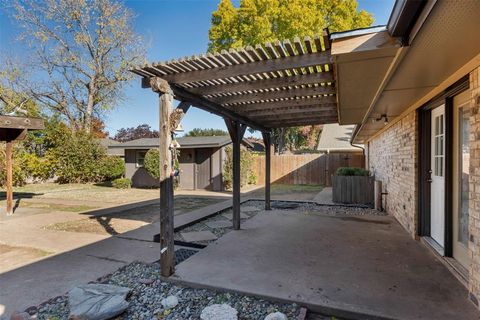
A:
{"x":310,"y":169}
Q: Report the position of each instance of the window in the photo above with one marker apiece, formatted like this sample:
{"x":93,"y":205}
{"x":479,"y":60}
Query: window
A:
{"x":439,"y":144}
{"x":140,"y":158}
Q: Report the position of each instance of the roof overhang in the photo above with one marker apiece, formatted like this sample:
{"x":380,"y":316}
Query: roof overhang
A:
{"x":380,"y":77}
{"x":363,"y":61}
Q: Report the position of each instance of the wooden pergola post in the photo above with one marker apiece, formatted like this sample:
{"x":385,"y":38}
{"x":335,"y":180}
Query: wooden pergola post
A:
{"x":9,"y":180}
{"x":167,"y":248}
{"x":268,"y":160}
{"x":236,"y":130}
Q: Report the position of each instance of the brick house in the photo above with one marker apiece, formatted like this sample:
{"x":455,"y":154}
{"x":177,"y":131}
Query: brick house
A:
{"x":415,"y":86}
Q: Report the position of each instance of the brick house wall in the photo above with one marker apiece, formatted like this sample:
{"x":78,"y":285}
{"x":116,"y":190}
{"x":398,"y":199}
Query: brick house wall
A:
{"x":474,"y":189}
{"x":392,"y":158}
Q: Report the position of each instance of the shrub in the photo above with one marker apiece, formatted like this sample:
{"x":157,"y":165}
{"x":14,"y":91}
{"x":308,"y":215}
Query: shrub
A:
{"x":352,"y":171}
{"x":111,"y":168}
{"x":40,"y":168}
{"x":151,"y":163}
{"x":122,"y":183}
{"x":20,"y":173}
{"x":247,"y":176}
{"x":79,"y":157}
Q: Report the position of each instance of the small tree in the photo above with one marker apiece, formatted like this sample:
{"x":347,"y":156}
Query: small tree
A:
{"x":247,"y":176}
{"x":141,"y":131}
{"x":151,"y":163}
{"x":197,"y":132}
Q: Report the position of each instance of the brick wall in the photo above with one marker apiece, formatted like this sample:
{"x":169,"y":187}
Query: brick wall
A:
{"x":392,"y":159}
{"x":474,"y":212}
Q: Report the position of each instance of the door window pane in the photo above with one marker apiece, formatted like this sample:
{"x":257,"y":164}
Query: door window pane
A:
{"x":464,"y":164}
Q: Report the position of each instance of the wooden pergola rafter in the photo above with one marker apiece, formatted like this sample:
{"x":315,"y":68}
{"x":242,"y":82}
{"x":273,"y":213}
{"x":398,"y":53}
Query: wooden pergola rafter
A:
{"x":274,"y":85}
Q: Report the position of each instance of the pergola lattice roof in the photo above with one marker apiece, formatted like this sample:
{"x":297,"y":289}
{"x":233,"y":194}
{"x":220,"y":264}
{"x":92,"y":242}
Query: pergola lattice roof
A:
{"x":280,"y":84}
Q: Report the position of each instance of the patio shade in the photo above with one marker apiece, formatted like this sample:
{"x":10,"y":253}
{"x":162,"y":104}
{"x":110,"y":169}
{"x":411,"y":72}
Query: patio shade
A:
{"x":280,"y":84}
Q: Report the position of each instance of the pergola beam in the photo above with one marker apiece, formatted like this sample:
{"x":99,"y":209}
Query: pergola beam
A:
{"x":279,"y":82}
{"x":315,"y":101}
{"x":296,"y":116}
{"x":301,"y":122}
{"x":215,"y":108}
{"x":270,"y":65}
{"x":289,"y":110}
{"x":275,"y":94}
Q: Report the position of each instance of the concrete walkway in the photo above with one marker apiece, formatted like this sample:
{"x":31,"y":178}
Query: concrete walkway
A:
{"x":357,"y":267}
{"x":75,"y":257}
{"x":324,"y":196}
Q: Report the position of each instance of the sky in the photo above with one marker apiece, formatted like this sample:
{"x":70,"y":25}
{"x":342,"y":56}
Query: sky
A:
{"x":171,"y":29}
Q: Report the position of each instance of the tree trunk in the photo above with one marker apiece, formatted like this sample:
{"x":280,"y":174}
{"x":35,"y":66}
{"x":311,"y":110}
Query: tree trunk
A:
{"x":90,"y":103}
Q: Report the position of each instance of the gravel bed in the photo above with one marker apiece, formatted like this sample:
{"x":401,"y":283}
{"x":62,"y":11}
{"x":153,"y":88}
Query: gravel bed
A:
{"x":145,"y":299}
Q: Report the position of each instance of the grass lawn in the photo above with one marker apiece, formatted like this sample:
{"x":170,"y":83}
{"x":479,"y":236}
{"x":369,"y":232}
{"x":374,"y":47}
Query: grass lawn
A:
{"x":289,"y":192}
{"x":126,"y":220}
{"x":82,"y":192}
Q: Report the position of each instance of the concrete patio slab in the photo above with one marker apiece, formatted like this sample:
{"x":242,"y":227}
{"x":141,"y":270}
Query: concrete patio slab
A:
{"x":219,"y":224}
{"x":358,"y":267}
{"x":195,"y":236}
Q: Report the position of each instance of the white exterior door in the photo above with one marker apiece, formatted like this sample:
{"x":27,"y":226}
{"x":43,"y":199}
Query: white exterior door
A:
{"x":437,"y":207}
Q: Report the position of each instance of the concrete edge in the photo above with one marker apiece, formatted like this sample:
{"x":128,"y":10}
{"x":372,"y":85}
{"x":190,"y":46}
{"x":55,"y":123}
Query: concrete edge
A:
{"x":322,"y":309}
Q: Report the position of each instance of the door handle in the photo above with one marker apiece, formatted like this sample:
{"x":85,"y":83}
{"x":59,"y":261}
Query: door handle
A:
{"x":429,"y":180}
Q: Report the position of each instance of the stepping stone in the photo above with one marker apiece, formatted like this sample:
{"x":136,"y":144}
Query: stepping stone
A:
{"x":219,"y":224}
{"x":249,"y":209}
{"x":229,"y":216}
{"x":196,"y":236}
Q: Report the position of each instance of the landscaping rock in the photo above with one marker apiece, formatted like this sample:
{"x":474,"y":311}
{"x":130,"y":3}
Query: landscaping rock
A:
{"x":276,"y":316}
{"x":97,"y":301}
{"x":146,"y":281}
{"x":169,"y":302}
{"x":20,"y":316}
{"x":219,"y":312}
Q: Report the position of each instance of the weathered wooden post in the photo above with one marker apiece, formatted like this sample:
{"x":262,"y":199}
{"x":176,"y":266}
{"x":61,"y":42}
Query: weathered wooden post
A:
{"x":268,"y":160}
{"x":9,"y":180}
{"x":236,"y":130}
{"x":167,"y":248}
{"x":14,"y":128}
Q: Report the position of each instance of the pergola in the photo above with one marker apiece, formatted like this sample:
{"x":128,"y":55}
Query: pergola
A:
{"x":274,"y":85}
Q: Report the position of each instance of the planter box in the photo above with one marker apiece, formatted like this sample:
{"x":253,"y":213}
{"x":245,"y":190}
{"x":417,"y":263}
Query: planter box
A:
{"x":353,"y":189}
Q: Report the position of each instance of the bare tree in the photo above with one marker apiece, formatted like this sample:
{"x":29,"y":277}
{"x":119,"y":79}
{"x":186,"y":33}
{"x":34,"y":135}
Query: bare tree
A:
{"x":83,"y":50}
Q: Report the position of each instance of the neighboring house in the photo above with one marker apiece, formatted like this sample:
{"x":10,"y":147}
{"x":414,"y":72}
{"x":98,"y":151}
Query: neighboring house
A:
{"x":201,"y":161}
{"x":335,"y":138}
{"x":257,"y":145}
{"x":413,"y":88}
{"x":107,"y":143}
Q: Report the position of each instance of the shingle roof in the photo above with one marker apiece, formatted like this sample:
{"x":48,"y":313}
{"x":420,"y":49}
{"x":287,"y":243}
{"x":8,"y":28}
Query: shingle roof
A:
{"x":185,"y":142}
{"x":335,"y":137}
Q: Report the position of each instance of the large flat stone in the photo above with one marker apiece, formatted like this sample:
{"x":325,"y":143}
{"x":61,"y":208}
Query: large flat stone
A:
{"x":230,"y":216}
{"x":219,"y":224}
{"x":196,"y":236}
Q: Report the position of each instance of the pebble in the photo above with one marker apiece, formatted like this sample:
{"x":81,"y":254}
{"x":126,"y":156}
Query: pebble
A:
{"x":276,"y":316}
{"x":219,"y":312}
{"x":169,"y":302}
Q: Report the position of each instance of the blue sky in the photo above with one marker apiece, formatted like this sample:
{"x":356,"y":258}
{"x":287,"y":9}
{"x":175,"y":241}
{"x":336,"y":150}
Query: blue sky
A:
{"x":171,"y":29}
